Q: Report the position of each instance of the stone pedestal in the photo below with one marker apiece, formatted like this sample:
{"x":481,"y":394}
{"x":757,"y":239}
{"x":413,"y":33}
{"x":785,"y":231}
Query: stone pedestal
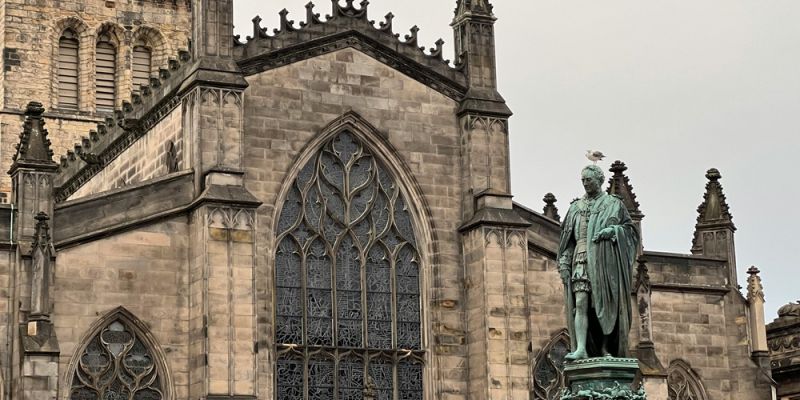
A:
{"x":602,"y":378}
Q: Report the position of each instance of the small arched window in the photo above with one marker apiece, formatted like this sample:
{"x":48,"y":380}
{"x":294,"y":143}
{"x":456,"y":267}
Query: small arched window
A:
{"x":683,"y":383}
{"x":68,"y":65}
{"x":119,"y":361}
{"x":106,"y":74}
{"x":142,"y":65}
{"x":548,"y":370}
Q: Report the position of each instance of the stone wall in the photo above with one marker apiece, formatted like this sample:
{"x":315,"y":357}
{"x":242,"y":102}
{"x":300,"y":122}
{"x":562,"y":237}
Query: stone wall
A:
{"x":148,"y":158}
{"x":30,"y":32}
{"x":145,"y":271}
{"x":287,"y":107}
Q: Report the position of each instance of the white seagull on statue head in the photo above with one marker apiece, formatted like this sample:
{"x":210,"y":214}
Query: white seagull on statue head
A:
{"x":594,"y":155}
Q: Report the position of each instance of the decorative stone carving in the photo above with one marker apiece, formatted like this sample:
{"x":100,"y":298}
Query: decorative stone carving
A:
{"x":548,"y":368}
{"x":683,"y":383}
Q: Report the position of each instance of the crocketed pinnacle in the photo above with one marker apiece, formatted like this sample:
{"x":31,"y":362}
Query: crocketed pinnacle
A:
{"x":550,"y":209}
{"x":620,"y":185}
{"x":34,"y":146}
{"x":754,"y":288}
{"x":714,"y":209}
{"x":470,"y":8}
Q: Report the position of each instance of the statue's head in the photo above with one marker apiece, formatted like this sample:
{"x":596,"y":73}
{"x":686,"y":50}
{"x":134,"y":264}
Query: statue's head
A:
{"x":592,"y":178}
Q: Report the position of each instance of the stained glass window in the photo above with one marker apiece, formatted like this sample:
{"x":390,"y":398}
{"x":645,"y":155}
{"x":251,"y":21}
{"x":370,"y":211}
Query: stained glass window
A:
{"x":683,"y":383}
{"x":548,"y":370}
{"x":116,"y":365}
{"x":348,"y":308}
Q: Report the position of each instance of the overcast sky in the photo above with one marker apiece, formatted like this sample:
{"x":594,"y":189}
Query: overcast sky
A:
{"x":671,"y":88}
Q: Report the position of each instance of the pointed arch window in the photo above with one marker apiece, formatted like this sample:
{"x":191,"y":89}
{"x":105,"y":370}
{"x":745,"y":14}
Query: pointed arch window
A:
{"x":117,"y":363}
{"x":106,"y":74}
{"x":68,"y":67}
{"x":348,"y":307}
{"x":683,"y":383}
{"x":142,"y":64}
{"x":548,"y":369}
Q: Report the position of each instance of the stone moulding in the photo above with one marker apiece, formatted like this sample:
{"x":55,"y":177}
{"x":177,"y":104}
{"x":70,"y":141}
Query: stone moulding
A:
{"x":602,"y":378}
{"x":112,"y":137}
{"x":349,"y":27}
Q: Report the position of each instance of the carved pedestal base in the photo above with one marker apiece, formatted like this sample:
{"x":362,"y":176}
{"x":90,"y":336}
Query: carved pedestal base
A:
{"x":602,"y":378}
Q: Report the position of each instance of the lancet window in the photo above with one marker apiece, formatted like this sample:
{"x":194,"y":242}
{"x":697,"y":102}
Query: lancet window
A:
{"x":548,"y":370}
{"x":116,"y":364}
{"x":683,"y":383}
{"x":106,"y":73}
{"x":68,"y":67}
{"x":142,"y":65}
{"x":348,"y":307}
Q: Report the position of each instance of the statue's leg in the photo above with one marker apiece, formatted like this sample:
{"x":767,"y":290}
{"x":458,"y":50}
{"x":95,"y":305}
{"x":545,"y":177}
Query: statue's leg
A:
{"x":581,"y":326}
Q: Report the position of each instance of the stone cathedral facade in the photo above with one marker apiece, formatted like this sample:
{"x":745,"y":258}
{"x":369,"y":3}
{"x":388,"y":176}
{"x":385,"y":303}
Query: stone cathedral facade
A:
{"x":319,"y":211}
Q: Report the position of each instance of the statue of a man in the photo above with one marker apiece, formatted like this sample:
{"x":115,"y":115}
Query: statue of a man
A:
{"x":595,"y":257}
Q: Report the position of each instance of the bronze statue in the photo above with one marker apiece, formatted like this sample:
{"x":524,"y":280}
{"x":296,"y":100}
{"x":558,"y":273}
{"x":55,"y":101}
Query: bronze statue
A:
{"x":595,"y":255}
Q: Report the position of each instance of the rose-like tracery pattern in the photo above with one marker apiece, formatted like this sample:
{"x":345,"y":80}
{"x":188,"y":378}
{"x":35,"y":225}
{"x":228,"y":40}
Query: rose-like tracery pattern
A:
{"x":116,"y":365}
{"x":348,"y":316}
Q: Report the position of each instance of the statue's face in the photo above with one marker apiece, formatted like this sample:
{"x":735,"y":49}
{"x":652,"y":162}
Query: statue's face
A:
{"x":590,"y":183}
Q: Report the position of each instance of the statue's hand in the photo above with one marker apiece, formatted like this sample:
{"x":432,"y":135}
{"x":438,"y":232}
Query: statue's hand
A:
{"x":605,"y":234}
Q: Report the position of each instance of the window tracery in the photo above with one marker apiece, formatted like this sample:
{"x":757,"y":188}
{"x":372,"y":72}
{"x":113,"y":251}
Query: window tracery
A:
{"x":117,"y":364}
{"x":548,"y":370}
{"x":683,"y":383}
{"x":348,"y":308}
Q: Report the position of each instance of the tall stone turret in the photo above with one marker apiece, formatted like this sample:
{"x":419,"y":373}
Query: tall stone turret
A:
{"x":221,"y":316}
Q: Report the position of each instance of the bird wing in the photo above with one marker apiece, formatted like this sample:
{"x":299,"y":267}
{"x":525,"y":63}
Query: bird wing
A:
{"x":598,"y":154}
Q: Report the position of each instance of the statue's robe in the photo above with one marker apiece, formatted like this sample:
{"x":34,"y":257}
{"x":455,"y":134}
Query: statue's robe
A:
{"x":609,"y":269}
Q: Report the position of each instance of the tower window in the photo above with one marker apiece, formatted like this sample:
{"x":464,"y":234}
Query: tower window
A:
{"x":142,"y":65}
{"x":106,"y":75}
{"x":68,"y":70}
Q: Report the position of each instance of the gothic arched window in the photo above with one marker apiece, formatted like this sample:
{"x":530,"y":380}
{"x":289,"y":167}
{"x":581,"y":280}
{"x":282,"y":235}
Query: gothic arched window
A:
{"x":105,"y":73}
{"x":68,"y":69}
{"x":683,"y":383}
{"x":142,"y":64}
{"x":348,"y":308}
{"x":118,"y":362}
{"x":548,"y":370}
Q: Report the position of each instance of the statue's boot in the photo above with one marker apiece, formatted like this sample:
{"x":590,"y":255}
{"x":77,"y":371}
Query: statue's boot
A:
{"x":579,"y":354}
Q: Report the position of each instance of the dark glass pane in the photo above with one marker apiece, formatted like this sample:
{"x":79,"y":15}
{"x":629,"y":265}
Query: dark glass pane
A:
{"x":382,"y":378}
{"x":320,"y":379}
{"x":409,"y":377}
{"x":348,"y":295}
{"x":386,"y":180}
{"x":314,"y":207}
{"x":351,"y":379}
{"x":306,"y":174}
{"x":291,"y":211}
{"x":361,"y":200}
{"x":333,"y":203}
{"x":303,"y":233}
{"x":345,"y":146}
{"x":290,"y":379}
{"x":288,"y":264}
{"x":380,"y":213}
{"x":360,"y":172}
{"x":402,"y":220}
{"x":332,"y":171}
{"x":331,"y":229}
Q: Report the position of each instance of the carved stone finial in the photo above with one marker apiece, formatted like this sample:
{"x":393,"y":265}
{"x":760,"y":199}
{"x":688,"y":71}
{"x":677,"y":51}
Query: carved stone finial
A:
{"x":473,"y":8}
{"x":33,"y":148}
{"x":550,"y":209}
{"x":620,"y":185}
{"x":754,"y":288}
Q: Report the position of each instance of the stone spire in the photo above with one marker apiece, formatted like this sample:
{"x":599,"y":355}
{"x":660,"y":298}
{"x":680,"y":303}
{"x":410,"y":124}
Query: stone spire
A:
{"x":550,"y":209}
{"x":33,"y":149}
{"x":714,"y":209}
{"x":714,"y":230}
{"x":620,"y":185}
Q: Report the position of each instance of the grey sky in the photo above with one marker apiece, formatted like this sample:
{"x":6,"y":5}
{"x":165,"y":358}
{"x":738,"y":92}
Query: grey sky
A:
{"x":671,"y":88}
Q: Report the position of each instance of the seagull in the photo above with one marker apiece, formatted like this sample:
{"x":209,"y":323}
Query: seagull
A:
{"x":594,"y":155}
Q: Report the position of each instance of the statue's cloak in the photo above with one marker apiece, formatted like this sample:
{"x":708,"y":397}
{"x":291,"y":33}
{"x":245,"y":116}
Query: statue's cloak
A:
{"x":609,"y":267}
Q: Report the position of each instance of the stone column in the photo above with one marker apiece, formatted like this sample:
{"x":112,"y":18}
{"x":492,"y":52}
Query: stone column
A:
{"x":495,"y":262}
{"x":758,"y":329}
{"x":36,"y":375}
